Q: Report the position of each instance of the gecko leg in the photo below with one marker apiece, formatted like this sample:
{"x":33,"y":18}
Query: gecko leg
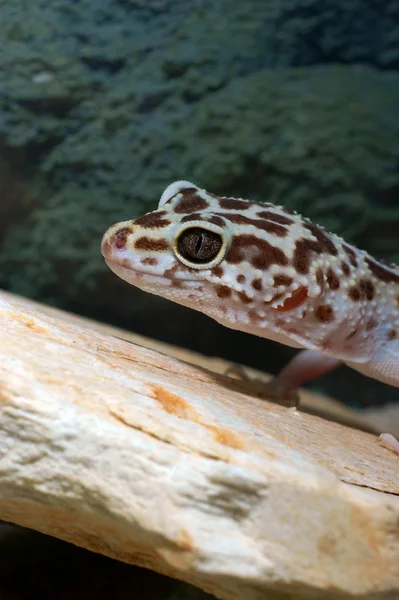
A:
{"x":305,"y":366}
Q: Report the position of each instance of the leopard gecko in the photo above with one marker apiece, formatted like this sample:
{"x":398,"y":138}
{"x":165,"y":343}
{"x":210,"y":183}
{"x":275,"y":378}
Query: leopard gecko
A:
{"x":266,"y":270}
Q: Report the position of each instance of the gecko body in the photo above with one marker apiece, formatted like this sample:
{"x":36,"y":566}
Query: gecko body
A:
{"x":262,"y":269}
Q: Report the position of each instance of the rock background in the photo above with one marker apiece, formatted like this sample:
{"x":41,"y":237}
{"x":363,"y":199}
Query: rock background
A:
{"x":104,"y":103}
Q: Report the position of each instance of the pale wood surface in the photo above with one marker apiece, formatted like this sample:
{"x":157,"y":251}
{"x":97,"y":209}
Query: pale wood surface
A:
{"x":134,"y":454}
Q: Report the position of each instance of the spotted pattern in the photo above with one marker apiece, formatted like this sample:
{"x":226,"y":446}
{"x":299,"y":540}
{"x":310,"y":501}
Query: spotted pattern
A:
{"x":151,"y":244}
{"x":345,"y":268}
{"x":257,"y":284}
{"x":234,"y":204}
{"x":282,"y":279}
{"x":218,"y":271}
{"x":151,"y":261}
{"x":363,"y":290}
{"x":275,"y":217}
{"x":222,"y":291}
{"x":259,"y":252}
{"x":190,"y":202}
{"x":263,"y":225}
{"x":381,"y":272}
{"x":276,"y":273}
{"x":332,"y":279}
{"x":351,"y":254}
{"x":214,"y":219}
{"x":153,"y":220}
{"x":324,"y":313}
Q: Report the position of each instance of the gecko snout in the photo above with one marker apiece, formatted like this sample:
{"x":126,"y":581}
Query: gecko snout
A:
{"x":114,"y":239}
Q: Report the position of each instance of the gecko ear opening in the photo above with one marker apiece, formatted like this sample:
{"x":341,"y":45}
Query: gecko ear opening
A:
{"x":296,"y":299}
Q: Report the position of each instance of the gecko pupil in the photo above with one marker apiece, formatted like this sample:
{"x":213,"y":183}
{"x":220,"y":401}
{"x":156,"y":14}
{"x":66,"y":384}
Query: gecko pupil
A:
{"x":199,"y":245}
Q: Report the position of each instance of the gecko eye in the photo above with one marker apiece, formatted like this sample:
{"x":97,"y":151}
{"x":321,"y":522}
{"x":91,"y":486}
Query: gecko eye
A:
{"x":199,"y":246}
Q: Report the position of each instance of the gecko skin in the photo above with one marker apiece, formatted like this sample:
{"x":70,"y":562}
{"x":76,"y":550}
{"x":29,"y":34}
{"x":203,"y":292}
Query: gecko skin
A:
{"x":268,"y":271}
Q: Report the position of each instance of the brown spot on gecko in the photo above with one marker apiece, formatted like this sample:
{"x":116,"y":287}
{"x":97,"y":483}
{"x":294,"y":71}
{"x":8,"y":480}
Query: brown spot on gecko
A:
{"x":367,"y":289}
{"x":324,"y":313}
{"x":275,"y":217}
{"x":170,"y":273}
{"x":200,"y":217}
{"x":192,"y":217}
{"x":364,"y":290}
{"x":149,"y":260}
{"x":302,"y":255}
{"x":234,"y":204}
{"x":320,"y":277}
{"x":282,"y":279}
{"x":190,"y":202}
{"x":222,"y":291}
{"x":153,"y":220}
{"x":216,"y":221}
{"x":260,"y":253}
{"x":257,"y":284}
{"x":354,"y":293}
{"x":151,"y":245}
{"x":332,"y":279}
{"x":244,"y":298}
{"x":351,"y":254}
{"x":381,"y":272}
{"x":345,"y":268}
{"x":305,"y":247}
{"x":176,"y":283}
{"x":371,"y":324}
{"x":240,"y":278}
{"x":273,"y":228}
{"x":325,"y":242}
{"x":218,"y":271}
{"x":392,"y":334}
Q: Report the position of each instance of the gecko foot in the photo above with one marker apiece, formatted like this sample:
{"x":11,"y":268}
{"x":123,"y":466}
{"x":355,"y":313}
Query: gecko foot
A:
{"x":270,"y":390}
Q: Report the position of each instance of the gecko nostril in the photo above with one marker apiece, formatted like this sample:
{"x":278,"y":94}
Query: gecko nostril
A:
{"x":120,"y":237}
{"x":119,"y":243}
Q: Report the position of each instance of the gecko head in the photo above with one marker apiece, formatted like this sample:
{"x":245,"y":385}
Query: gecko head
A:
{"x":172,"y":250}
{"x":227,"y":257}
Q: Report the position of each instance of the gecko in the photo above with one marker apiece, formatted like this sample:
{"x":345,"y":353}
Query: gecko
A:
{"x":266,"y":270}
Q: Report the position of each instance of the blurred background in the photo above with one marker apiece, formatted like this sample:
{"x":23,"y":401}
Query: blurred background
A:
{"x":103,"y":103}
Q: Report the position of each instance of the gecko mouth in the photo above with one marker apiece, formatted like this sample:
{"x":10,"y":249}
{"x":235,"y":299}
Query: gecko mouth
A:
{"x":135,"y":276}
{"x":132,"y":275}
